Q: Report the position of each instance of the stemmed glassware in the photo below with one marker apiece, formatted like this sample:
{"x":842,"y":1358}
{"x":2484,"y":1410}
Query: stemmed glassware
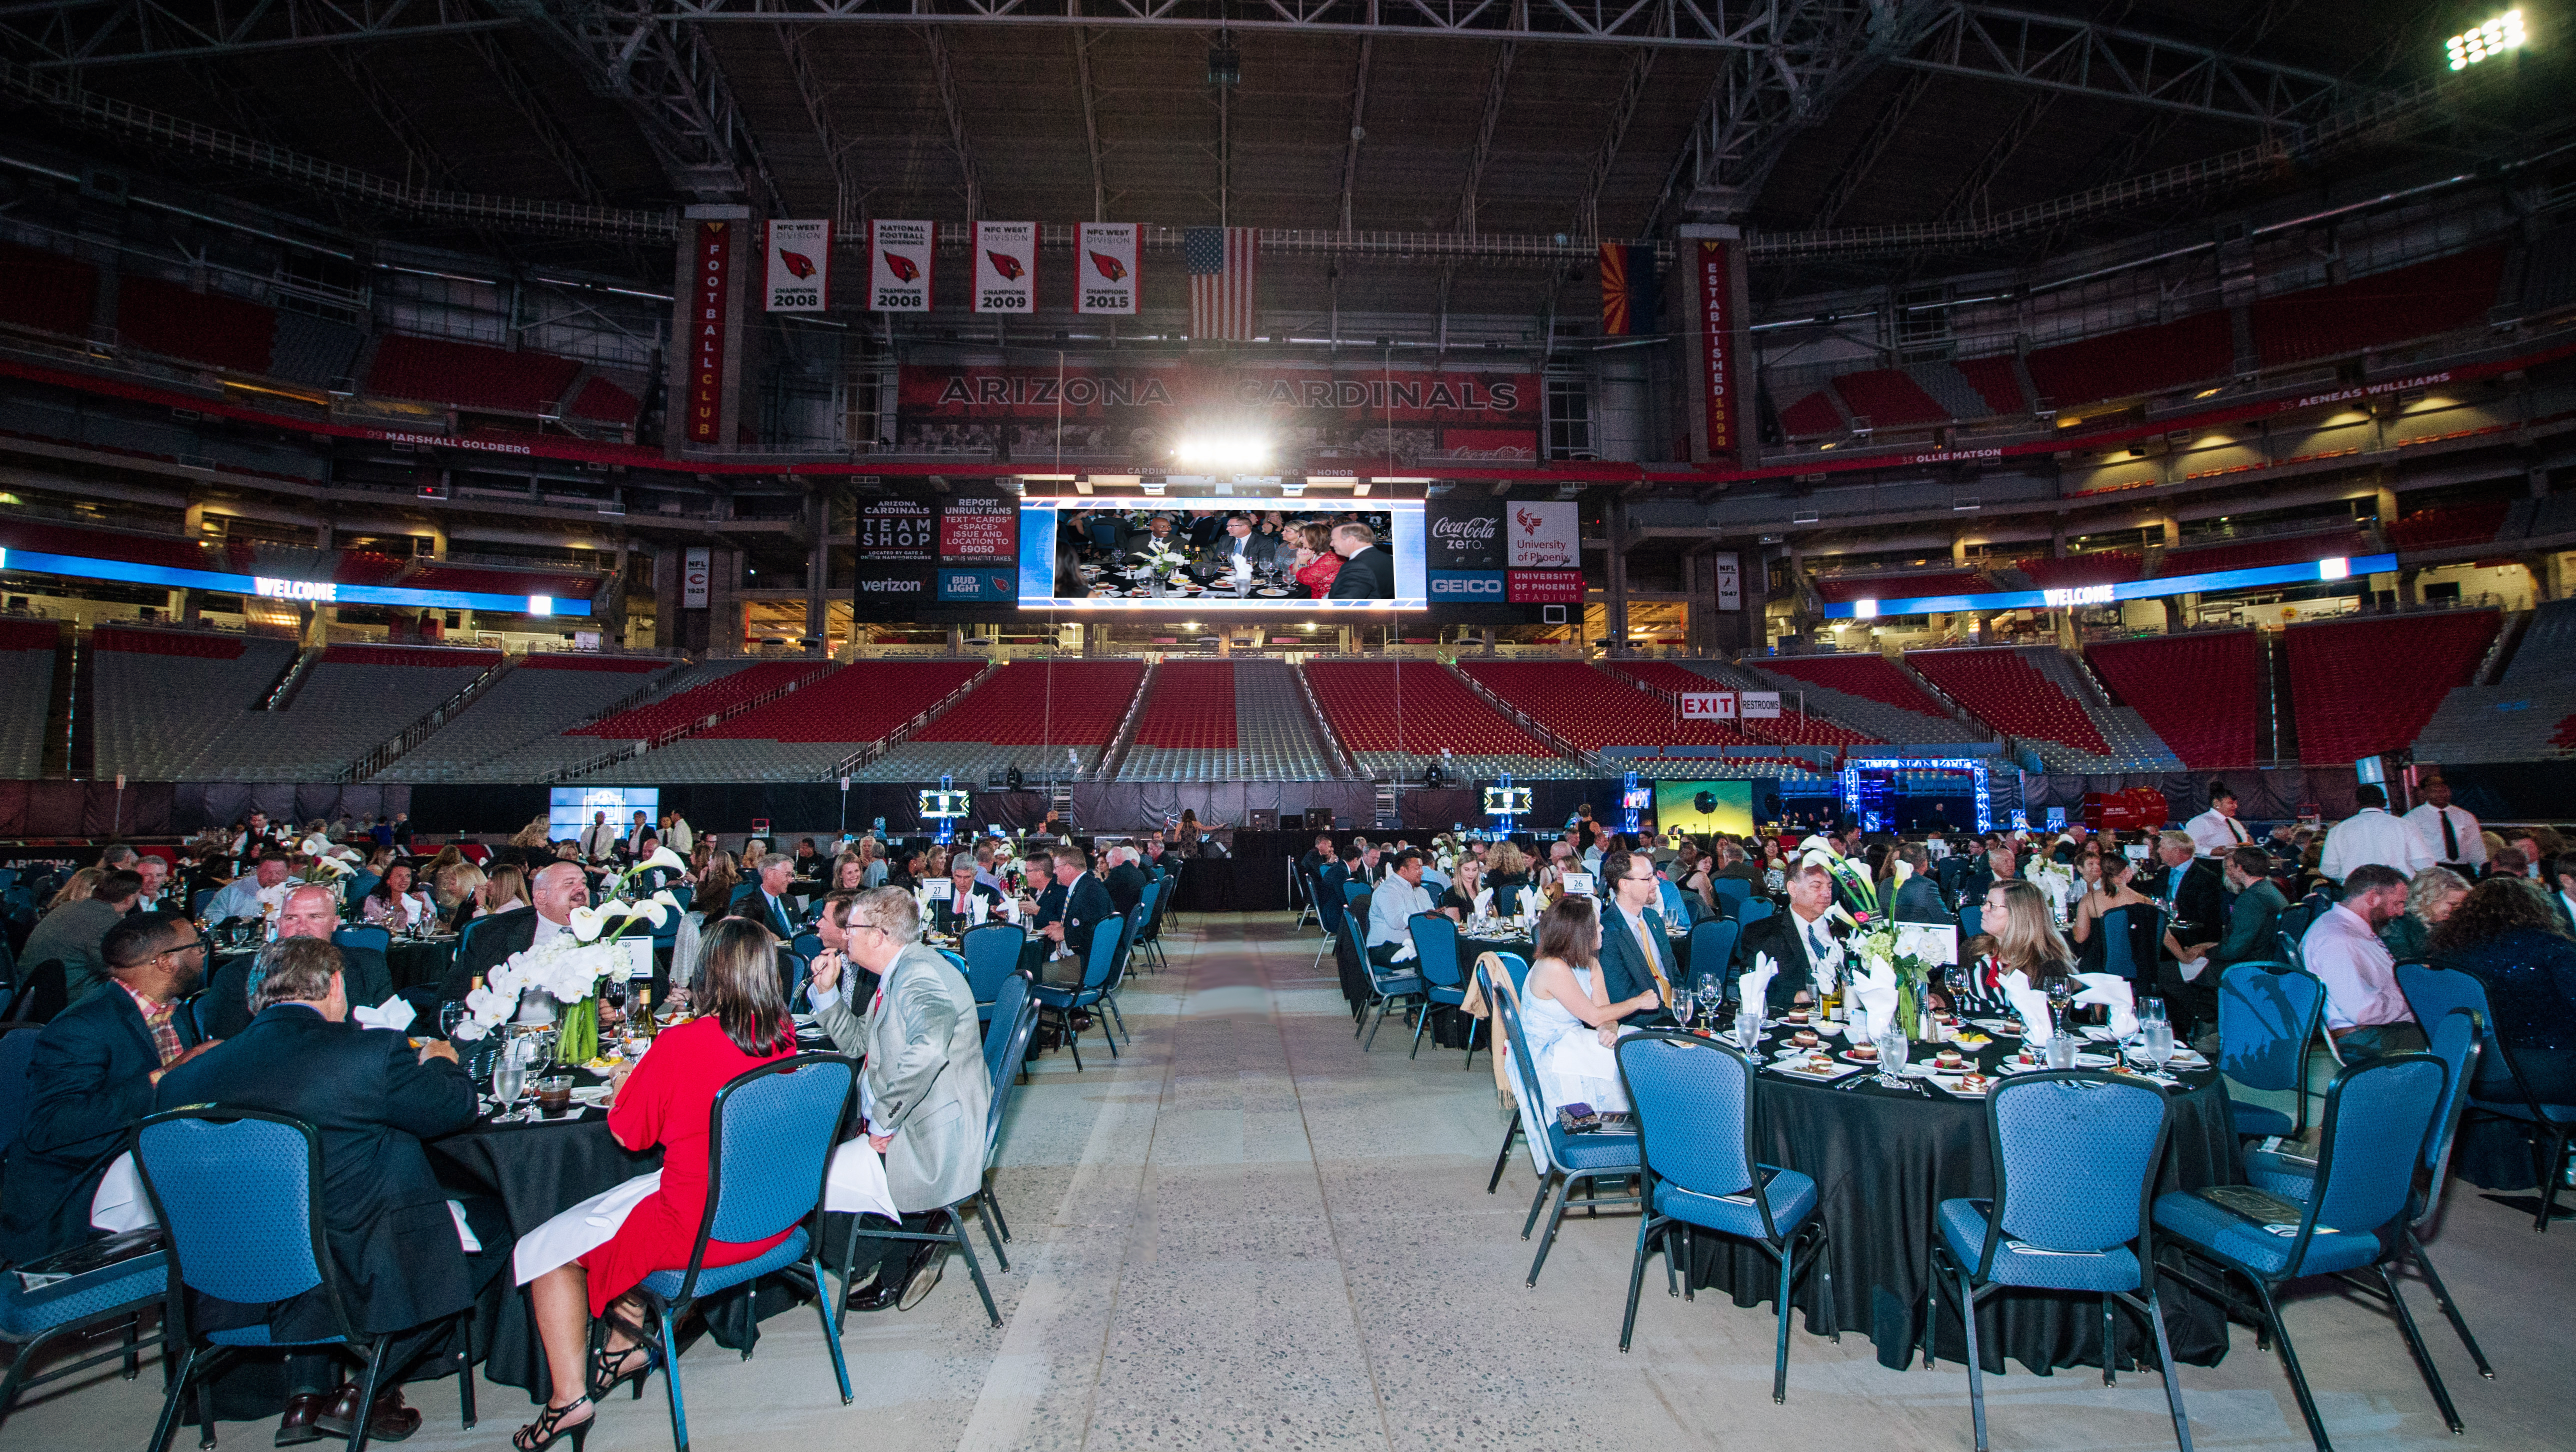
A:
{"x":1893,"y":1049}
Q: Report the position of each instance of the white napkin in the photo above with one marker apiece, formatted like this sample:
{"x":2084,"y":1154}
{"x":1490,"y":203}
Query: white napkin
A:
{"x":1875,"y":988}
{"x":1484,"y":902}
{"x":2032,"y":1005}
{"x":2115,"y":993}
{"x":1753,"y":990}
{"x":394,"y":1013}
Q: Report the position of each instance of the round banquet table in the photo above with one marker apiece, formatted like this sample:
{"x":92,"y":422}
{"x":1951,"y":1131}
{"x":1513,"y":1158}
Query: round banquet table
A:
{"x":421,"y":962}
{"x":1883,"y":1159}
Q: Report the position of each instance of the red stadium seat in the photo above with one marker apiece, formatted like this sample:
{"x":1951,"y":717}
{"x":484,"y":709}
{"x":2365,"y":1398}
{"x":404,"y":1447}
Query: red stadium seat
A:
{"x":1043,"y":703}
{"x":1789,"y":729}
{"x":1193,"y":706}
{"x":469,"y":375}
{"x":1417,"y":708}
{"x":47,"y":291}
{"x":860,"y":702}
{"x":1811,"y":416}
{"x":1869,"y":676}
{"x":2256,"y":554}
{"x":206,"y":327}
{"x":2363,"y":687}
{"x":2202,"y":693}
{"x":1889,"y":399}
{"x":1993,"y":377}
{"x":650,"y":720}
{"x":2001,"y":689}
{"x":2135,"y":361}
{"x":2386,"y":307}
{"x":2449,"y":525}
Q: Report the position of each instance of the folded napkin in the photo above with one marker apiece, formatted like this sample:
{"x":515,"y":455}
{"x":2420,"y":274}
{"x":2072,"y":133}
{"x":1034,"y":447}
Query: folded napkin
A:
{"x":2114,"y":993}
{"x":1875,"y":988}
{"x":394,"y":1013}
{"x":1484,"y":902}
{"x":1753,"y":990}
{"x":2032,"y":1005}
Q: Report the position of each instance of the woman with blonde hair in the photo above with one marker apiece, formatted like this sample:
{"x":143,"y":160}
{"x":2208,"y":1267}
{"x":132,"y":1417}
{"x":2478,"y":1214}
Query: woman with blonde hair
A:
{"x":535,"y":834}
{"x":460,"y":894}
{"x":76,"y":888}
{"x":1507,"y":872}
{"x":1459,"y":899}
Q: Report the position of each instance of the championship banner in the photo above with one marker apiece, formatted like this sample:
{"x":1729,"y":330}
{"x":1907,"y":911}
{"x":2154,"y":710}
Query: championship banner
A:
{"x":707,"y":349}
{"x":1717,"y":340}
{"x":1108,"y":259}
{"x":800,"y":267}
{"x":1708,"y":705}
{"x":1006,"y":267}
{"x":1730,"y":579}
{"x":899,"y":255}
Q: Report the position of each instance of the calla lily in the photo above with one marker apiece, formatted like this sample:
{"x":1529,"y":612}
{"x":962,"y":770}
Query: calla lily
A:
{"x":1837,"y":913}
{"x":586,"y":923}
{"x":665,"y":898}
{"x":652,"y":910}
{"x":663,"y":857}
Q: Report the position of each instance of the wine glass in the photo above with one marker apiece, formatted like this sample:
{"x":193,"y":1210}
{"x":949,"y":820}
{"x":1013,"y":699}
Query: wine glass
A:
{"x":1711,"y":994}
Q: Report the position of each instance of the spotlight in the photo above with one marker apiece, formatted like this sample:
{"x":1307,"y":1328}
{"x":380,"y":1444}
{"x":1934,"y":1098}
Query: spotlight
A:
{"x":1223,"y":451}
{"x":1225,"y":64}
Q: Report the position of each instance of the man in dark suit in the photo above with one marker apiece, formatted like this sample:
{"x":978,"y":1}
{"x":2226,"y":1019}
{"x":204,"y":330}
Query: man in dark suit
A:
{"x":1073,"y":905}
{"x":1368,"y":571}
{"x":372,"y":1098}
{"x":1796,"y":940}
{"x":970,"y":903}
{"x":1918,"y":898}
{"x":764,"y":899}
{"x":1126,"y":881}
{"x":1995,"y":864}
{"x":1239,"y":544}
{"x":93,"y":1074}
{"x":308,"y":912}
{"x":1636,"y":957}
{"x":555,"y":891}
{"x":2253,"y":918}
{"x":2195,"y":890}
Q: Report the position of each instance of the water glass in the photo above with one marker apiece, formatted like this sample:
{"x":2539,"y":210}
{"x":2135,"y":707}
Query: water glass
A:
{"x":509,"y":1076}
{"x":2152,"y":1010}
{"x":2061,"y":1051}
{"x":2160,"y":1044}
{"x":1748,"y":1028}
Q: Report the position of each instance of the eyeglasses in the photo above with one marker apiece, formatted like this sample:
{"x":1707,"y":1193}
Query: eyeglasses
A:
{"x":188,"y":946}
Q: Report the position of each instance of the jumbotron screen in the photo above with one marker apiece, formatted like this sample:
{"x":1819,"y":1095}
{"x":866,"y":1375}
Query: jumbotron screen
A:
{"x":1097,"y":557}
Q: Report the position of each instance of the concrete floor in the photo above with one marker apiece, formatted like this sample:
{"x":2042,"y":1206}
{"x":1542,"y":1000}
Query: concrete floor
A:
{"x":1245,"y":1233}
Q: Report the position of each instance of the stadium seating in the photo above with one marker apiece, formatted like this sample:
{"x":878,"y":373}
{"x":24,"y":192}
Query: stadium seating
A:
{"x":1811,"y":416}
{"x":1594,"y":711}
{"x":1792,"y":727}
{"x":1028,"y":714}
{"x":351,"y":700}
{"x":469,"y":375}
{"x":1396,"y":717}
{"x":805,"y":734}
{"x":1844,"y":589}
{"x":2529,"y":714}
{"x":1863,"y":692}
{"x":572,"y":743}
{"x":2135,"y":361}
{"x":2388,"y":307}
{"x":2102,"y":567}
{"x":159,"y":698}
{"x":203,"y":327}
{"x":47,"y":291}
{"x":1889,"y":398}
{"x":534,"y":702}
{"x":27,"y":653}
{"x":1994,"y":380}
{"x":2449,"y":526}
{"x":2362,"y":687}
{"x":722,"y":686}
{"x":2256,"y":554}
{"x":1241,"y":720}
{"x":2035,"y":694}
{"x":564,"y":586}
{"x":601,"y":401}
{"x":2202,"y":693}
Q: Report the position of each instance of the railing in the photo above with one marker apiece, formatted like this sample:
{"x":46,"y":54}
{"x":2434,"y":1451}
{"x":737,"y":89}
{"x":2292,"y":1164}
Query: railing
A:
{"x":1115,"y":755}
{"x":921,"y":718}
{"x":420,"y":730}
{"x":670,"y":734}
{"x":1344,"y":763}
{"x":284,"y":691}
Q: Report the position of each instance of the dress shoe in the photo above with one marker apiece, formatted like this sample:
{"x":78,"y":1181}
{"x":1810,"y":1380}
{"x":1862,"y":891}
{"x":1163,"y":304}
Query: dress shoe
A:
{"x":296,"y":1427}
{"x":925,"y":1275}
{"x":876,"y":1295}
{"x":391,"y":1421}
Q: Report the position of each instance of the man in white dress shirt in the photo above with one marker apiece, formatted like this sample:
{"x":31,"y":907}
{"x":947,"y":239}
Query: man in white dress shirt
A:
{"x":1392,"y":906}
{"x":2216,"y":832}
{"x":2445,"y":834}
{"x":2365,"y":1012}
{"x":2371,"y":835}
{"x":599,"y":840}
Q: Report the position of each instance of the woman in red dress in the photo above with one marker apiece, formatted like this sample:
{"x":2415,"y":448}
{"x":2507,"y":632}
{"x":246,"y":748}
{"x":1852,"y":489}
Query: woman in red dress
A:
{"x":663,"y":1098}
{"x":1317,"y":563}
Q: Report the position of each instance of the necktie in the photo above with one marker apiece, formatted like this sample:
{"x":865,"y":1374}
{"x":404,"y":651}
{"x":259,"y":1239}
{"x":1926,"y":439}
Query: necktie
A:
{"x":2233,"y":830}
{"x":2450,"y":838}
{"x":1816,"y":940}
{"x":1654,"y":965}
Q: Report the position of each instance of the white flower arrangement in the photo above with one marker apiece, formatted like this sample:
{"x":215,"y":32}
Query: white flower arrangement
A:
{"x":1162,"y":559}
{"x":567,"y":967}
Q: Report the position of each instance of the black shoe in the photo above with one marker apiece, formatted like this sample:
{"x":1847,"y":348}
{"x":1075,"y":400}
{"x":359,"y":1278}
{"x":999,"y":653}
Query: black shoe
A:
{"x":391,"y":1421}
{"x":296,"y":1427}
{"x":926,"y":1266}
{"x":876,"y":1296}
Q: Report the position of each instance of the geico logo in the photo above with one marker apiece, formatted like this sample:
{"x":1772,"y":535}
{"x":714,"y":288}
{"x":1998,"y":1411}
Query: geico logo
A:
{"x":1466,"y":587}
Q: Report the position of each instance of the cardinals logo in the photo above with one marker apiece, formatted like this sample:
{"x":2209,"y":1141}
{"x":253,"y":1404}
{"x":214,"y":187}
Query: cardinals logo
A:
{"x":1528,"y":522}
{"x":904,"y":268}
{"x":1109,"y":267}
{"x":797,"y":263}
{"x":1005,"y":264}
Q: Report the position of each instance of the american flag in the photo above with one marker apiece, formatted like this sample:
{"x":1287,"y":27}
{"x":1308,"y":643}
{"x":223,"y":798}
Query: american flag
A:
{"x":1220,"y":261}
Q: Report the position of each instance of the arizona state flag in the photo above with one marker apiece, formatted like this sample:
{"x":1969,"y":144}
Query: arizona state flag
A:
{"x":1630,"y":303}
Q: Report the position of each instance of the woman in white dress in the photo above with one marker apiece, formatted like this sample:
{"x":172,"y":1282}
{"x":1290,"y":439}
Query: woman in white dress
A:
{"x":1568,"y":1015}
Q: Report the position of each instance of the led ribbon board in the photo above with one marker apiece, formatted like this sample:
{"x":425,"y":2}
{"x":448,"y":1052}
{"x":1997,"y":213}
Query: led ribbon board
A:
{"x":2157,"y":589}
{"x":319,"y":592}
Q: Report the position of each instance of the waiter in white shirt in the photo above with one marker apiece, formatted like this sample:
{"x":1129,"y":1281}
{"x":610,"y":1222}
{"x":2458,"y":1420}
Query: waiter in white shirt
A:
{"x":2371,"y":835}
{"x":599,"y":840}
{"x":1392,"y":906}
{"x":2216,"y":832}
{"x":2446,"y":834}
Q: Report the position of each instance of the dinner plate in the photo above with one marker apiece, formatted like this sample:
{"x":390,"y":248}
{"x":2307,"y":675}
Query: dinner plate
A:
{"x":1949,"y":1083}
{"x":1871,"y":1060}
{"x":593,"y":1095}
{"x":1274,"y":594}
{"x":1800,"y":1071}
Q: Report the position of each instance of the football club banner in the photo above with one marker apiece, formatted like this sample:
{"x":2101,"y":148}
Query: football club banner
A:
{"x":714,"y":272}
{"x":1107,"y":265}
{"x":1006,"y":267}
{"x":799,"y":274}
{"x":899,"y":255}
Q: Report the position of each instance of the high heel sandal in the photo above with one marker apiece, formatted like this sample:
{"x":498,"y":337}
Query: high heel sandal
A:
{"x":605,"y":1376}
{"x":548,"y":1429}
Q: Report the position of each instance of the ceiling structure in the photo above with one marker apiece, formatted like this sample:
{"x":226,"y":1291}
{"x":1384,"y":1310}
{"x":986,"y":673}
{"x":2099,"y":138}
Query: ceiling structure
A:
{"x":1441,"y":155}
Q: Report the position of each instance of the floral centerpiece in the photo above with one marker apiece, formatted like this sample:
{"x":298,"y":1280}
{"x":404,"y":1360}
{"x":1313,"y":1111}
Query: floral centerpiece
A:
{"x":1162,"y":560}
{"x":1872,"y":943}
{"x":569,"y":966}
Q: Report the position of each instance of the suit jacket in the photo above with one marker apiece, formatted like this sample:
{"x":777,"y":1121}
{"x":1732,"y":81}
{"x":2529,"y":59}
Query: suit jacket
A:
{"x":1623,"y":964}
{"x":1091,"y":903}
{"x":372,"y":1102}
{"x":89,"y":1081}
{"x":1126,"y":884}
{"x":2251,"y":925}
{"x":364,"y":975}
{"x":73,"y":933}
{"x":1368,"y":575}
{"x":1777,"y":935}
{"x":750,"y":902}
{"x":924,"y":1077}
{"x":1257,"y":548}
{"x":2199,"y":906}
{"x":1919,"y":901}
{"x":494,"y":940}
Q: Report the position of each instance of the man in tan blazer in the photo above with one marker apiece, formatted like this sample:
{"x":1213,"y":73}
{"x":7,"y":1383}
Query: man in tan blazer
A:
{"x":922,"y":1089}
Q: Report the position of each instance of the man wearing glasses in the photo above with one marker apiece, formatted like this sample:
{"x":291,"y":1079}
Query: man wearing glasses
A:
{"x":1635,"y":955}
{"x":94,"y":1071}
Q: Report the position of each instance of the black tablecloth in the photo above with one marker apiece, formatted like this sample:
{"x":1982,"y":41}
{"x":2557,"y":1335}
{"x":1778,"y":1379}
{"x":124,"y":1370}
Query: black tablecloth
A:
{"x":1883,"y":1160}
{"x":420,"y":962}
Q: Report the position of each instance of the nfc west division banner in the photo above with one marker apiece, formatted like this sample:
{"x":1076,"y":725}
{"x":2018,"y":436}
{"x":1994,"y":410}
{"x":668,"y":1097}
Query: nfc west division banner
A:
{"x":1107,"y":258}
{"x":1319,"y":412}
{"x":799,"y":273}
{"x":1006,"y":267}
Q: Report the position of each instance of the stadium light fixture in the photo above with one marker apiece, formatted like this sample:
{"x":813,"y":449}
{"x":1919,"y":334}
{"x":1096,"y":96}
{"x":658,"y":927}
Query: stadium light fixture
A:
{"x":1234,"y":451}
{"x":2487,"y":41}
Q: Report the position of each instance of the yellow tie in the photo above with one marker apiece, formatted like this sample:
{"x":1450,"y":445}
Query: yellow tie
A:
{"x":1654,"y":965}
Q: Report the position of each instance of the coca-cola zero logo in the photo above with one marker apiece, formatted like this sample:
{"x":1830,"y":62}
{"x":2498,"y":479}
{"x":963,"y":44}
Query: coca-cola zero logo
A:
{"x":1473,"y":527}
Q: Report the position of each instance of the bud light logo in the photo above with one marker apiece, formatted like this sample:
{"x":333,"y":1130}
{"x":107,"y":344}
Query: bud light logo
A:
{"x":975,"y":585}
{"x":1458,"y":587}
